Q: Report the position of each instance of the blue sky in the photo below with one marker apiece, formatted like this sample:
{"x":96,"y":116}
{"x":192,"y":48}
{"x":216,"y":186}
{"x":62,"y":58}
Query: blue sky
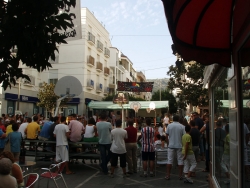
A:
{"x":139,"y":29}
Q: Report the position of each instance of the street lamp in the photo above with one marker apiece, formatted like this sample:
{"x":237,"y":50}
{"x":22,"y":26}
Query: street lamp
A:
{"x":152,"y":107}
{"x":121,"y":98}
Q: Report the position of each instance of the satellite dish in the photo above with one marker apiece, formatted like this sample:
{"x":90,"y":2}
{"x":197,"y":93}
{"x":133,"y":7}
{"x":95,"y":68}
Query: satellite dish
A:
{"x":68,"y":85}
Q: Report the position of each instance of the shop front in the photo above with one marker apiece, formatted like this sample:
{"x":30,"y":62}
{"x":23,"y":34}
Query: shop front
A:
{"x":217,"y":33}
{"x":26,"y":104}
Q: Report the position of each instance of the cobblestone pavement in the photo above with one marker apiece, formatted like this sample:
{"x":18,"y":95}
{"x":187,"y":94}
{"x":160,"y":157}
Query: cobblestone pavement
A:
{"x":89,"y":175}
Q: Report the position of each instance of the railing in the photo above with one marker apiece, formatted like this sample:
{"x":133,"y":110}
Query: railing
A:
{"x":106,"y":71}
{"x":91,"y":38}
{"x":91,"y":61}
{"x":106,"y":52}
{"x":99,"y":66}
{"x":99,"y":46}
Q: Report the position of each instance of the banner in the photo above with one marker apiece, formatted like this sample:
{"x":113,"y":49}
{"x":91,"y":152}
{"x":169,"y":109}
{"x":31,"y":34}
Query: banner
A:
{"x":75,"y":13}
{"x":135,"y":86}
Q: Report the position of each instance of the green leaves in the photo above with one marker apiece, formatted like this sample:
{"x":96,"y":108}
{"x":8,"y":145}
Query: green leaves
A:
{"x":189,"y":79}
{"x":31,"y":27}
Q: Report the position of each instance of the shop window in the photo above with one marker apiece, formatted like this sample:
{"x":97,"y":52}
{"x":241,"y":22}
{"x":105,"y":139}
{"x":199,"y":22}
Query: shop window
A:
{"x":220,"y":127}
{"x":245,"y":139}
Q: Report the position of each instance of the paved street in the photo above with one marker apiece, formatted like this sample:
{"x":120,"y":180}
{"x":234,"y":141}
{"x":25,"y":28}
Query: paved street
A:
{"x":89,"y":175}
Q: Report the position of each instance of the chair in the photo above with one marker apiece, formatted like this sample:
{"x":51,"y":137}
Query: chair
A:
{"x":31,"y":179}
{"x":161,"y":156}
{"x":54,"y":172}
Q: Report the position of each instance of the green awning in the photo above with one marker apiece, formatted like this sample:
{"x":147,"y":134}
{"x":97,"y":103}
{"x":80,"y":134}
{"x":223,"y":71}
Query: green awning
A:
{"x":110,"y":105}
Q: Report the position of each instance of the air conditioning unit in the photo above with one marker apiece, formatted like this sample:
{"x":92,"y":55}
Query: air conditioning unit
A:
{"x":90,"y":84}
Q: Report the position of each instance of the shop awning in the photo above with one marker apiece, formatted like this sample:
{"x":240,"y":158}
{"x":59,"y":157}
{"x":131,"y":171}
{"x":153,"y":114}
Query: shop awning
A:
{"x":109,"y":105}
{"x":202,"y":29}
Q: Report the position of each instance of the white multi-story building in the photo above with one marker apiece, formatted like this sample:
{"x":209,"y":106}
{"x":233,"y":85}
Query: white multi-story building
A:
{"x":90,"y":59}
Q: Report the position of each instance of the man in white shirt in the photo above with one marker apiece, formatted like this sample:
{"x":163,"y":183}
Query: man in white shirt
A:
{"x":23,"y":126}
{"x":62,"y":133}
{"x":118,"y":148}
{"x":174,"y":134}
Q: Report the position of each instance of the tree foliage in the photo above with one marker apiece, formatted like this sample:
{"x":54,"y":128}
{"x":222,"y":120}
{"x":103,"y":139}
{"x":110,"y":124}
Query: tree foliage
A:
{"x":47,"y":97}
{"x":31,"y":27}
{"x":188,"y":77}
{"x":166,"y":95}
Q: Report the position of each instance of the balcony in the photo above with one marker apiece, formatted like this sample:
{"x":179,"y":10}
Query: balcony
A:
{"x":106,"y":91}
{"x":90,"y":84}
{"x":91,"y":38}
{"x":122,"y":67}
{"x":141,"y":76}
{"x":106,"y":52}
{"x":91,"y":61}
{"x":99,"y":46}
{"x":106,"y":71}
{"x":99,"y":67}
{"x":98,"y":88}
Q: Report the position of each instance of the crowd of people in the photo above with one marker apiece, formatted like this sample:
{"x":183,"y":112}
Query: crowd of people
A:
{"x":183,"y":138}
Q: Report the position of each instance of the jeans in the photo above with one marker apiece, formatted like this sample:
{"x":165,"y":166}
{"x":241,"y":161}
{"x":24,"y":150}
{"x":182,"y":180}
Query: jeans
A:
{"x":105,"y":156}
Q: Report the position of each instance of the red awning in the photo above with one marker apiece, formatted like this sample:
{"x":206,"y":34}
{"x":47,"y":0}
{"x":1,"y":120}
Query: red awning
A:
{"x":201,"y":29}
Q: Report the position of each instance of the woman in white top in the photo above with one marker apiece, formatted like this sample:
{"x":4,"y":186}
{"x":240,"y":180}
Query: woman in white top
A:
{"x":90,"y":131}
{"x":160,"y":128}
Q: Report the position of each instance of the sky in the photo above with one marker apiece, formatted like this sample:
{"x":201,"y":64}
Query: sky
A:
{"x":138,"y":28}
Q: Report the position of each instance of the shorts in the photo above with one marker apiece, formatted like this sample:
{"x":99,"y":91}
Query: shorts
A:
{"x":171,"y":155}
{"x":114,"y":159}
{"x":62,"y":153}
{"x":148,"y":156}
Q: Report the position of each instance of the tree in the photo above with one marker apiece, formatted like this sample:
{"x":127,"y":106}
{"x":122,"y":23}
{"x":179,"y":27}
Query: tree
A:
{"x":31,"y":29}
{"x":188,"y":77}
{"x":47,"y":97}
{"x":166,"y":95}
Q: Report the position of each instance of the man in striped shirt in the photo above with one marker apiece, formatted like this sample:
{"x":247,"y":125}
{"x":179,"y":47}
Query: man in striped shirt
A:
{"x":148,"y":150}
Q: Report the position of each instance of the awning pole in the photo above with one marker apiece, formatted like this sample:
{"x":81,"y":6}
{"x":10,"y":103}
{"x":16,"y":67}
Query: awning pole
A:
{"x":122,"y":117}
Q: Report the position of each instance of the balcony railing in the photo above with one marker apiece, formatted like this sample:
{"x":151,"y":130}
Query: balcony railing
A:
{"x":91,"y":38}
{"x":106,"y":71}
{"x":91,"y":61}
{"x":99,"y":46}
{"x":99,"y":67}
{"x":106,"y":52}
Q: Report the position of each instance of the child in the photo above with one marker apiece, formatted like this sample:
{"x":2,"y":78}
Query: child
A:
{"x":189,"y":158}
{"x":157,"y":142}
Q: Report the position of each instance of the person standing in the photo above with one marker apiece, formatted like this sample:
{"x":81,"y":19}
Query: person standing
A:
{"x":131,"y":147}
{"x":104,"y":133}
{"x":15,"y":141}
{"x":23,"y":126}
{"x":166,"y":122}
{"x":188,"y":156}
{"x":148,"y":150}
{"x":62,"y":133}
{"x":174,"y":134}
{"x":113,"y":119}
{"x":195,"y":135}
{"x":118,"y":148}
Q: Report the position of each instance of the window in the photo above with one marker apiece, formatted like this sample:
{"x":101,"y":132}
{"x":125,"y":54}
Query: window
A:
{"x":53,"y":81}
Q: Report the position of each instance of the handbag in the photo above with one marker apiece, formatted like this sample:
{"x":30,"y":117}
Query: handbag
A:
{"x":7,"y":146}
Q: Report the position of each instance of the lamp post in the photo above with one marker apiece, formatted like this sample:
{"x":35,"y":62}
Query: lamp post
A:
{"x":152,"y":107}
{"x":121,"y":98}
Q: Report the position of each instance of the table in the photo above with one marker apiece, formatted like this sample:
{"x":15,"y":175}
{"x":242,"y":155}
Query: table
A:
{"x":27,"y":165}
